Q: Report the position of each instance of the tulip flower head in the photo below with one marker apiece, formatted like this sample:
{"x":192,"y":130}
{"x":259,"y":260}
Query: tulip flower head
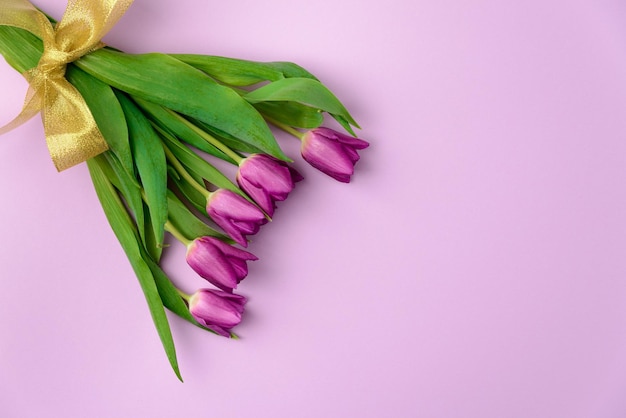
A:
{"x":266,"y":180}
{"x":332,"y":152}
{"x":220,"y":263}
{"x":235,"y":215}
{"x":219,"y":311}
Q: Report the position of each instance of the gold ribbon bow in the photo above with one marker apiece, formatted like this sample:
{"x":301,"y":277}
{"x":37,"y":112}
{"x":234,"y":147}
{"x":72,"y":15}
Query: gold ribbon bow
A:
{"x":71,"y":131}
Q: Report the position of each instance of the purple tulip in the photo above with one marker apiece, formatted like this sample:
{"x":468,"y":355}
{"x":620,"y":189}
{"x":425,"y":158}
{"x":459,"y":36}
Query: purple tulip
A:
{"x":332,"y":152}
{"x":266,"y":180}
{"x":217,"y":310}
{"x":235,"y":215}
{"x":218,"y":262}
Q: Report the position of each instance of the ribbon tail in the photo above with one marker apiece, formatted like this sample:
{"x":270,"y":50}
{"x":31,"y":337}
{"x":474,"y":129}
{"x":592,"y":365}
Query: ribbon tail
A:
{"x":22,"y":14}
{"x":32,"y":106}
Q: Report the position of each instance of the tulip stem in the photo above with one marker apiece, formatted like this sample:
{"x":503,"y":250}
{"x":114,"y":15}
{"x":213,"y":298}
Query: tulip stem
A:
{"x":209,"y":138}
{"x":286,"y":128}
{"x":184,"y":173}
{"x":183,"y":295}
{"x":176,"y":233}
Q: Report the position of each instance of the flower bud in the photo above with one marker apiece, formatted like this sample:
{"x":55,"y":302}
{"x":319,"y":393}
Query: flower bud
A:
{"x":266,"y":180}
{"x":219,"y":311}
{"x":332,"y":152}
{"x":220,"y":263}
{"x":235,"y":215}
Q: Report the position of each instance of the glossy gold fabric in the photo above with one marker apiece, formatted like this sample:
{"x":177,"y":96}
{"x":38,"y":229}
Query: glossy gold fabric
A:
{"x":71,"y":132}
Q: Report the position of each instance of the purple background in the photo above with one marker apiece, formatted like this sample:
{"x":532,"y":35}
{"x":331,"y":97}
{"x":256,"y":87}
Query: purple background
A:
{"x":475,"y":267}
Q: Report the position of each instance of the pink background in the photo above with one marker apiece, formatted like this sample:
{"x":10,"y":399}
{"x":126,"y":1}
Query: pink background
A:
{"x":475,"y":267}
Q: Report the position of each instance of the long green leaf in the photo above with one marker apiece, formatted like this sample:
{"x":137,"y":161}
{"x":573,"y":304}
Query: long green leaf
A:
{"x":20,"y":48}
{"x":290,"y":70}
{"x":169,"y":294}
{"x":292,"y":114}
{"x":227,"y":139}
{"x":345,"y":123}
{"x":301,"y":90}
{"x":199,"y":166}
{"x":126,"y":234}
{"x":154,"y":249}
{"x":106,"y":111}
{"x":195,"y":198}
{"x":151,"y":165}
{"x":171,"y":83}
{"x":231,"y":71}
{"x":238,"y":72}
{"x":169,"y":122}
{"x":128,"y":187}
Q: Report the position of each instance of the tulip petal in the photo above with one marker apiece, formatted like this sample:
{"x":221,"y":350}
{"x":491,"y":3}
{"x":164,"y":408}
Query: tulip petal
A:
{"x":235,"y":215}
{"x":217,"y":310}
{"x":221,"y":264}
{"x":332,"y":152}
{"x":266,"y":180}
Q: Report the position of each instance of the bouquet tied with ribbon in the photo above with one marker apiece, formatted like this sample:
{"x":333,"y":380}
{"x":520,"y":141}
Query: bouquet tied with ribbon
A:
{"x":148,"y":126}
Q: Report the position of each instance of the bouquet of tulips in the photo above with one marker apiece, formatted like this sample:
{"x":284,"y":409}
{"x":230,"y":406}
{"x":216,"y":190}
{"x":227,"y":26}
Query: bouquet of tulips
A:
{"x":140,"y":123}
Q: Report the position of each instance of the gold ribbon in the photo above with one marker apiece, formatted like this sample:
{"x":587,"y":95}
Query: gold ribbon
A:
{"x":71,"y":131}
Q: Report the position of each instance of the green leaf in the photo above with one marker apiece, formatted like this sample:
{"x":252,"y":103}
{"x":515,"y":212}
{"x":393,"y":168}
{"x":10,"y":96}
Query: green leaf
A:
{"x":106,"y":111}
{"x":154,"y":249}
{"x":127,"y":186}
{"x":291,"y":114}
{"x":169,"y":294}
{"x":304,"y":91}
{"x":127,"y":235}
{"x":20,"y":48}
{"x":226,"y":139}
{"x":164,"y":80}
{"x":150,"y":163}
{"x":172,"y":173}
{"x":231,"y":71}
{"x":194,"y":197}
{"x":173,"y":125}
{"x":345,"y":123}
{"x":237,"y":72}
{"x":194,"y":163}
{"x":290,"y":70}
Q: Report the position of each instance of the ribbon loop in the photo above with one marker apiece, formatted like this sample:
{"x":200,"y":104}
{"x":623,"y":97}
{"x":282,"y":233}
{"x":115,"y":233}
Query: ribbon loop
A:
{"x":71,"y":132}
